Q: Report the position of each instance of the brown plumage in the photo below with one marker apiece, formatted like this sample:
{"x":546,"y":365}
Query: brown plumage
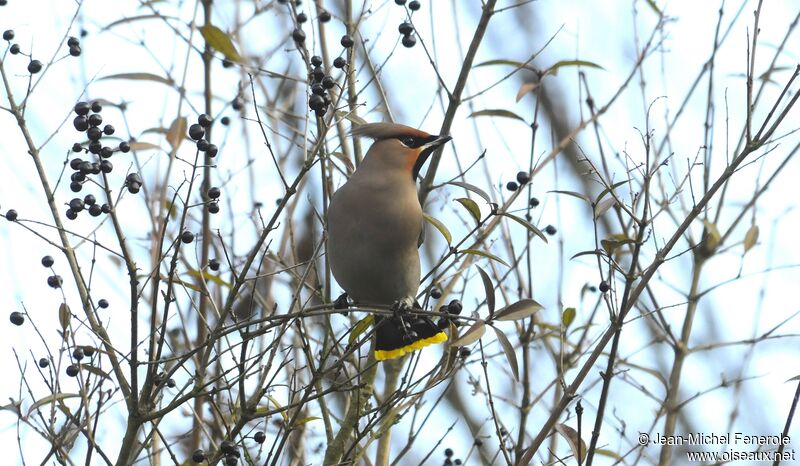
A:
{"x":375,"y":221}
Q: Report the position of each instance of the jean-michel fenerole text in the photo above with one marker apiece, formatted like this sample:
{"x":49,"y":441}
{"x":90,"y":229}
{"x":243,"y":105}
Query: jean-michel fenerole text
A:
{"x":736,"y":438}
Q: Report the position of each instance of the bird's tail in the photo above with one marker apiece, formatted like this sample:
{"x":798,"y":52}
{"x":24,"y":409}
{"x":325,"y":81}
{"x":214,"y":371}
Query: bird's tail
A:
{"x":399,"y":335}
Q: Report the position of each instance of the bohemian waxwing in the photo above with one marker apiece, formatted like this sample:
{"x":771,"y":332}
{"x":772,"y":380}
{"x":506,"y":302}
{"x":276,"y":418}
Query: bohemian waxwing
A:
{"x":374,"y":226}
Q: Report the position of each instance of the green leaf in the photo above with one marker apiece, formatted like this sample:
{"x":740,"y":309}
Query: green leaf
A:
{"x":474,"y":189}
{"x":508,"y":349}
{"x":596,"y":252}
{"x":300,"y":422}
{"x":473,"y":334}
{"x":278,"y":406}
{"x":140,"y":77}
{"x":615,"y":242}
{"x":751,"y":238}
{"x":568,"y":316}
{"x":50,"y":399}
{"x":471,"y":206}
{"x":439,"y":226}
{"x":558,"y":65}
{"x":488,"y":289}
{"x":517,"y":64}
{"x":217,"y":39}
{"x":573,"y":194}
{"x":207,"y":276}
{"x":608,"y":190}
{"x":498,"y":112}
{"x":655,"y":8}
{"x":603,"y":206}
{"x":519,"y":310}
{"x":359,"y":328}
{"x":487,"y":255}
{"x":527,"y":225}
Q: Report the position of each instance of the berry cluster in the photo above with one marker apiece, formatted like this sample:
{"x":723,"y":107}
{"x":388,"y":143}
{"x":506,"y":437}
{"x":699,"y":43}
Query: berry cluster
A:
{"x":448,"y":458}
{"x":454,"y":308}
{"x":88,"y":120}
{"x":228,"y":449}
{"x":405,"y":28}
{"x":320,"y":84}
{"x":522,"y":179}
{"x":35,"y":66}
{"x":197,"y":132}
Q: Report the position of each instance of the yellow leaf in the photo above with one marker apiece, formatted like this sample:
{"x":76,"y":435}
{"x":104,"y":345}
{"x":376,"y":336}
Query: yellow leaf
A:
{"x":751,"y":238}
{"x":220,"y":41}
{"x":568,"y":316}
{"x":300,"y":422}
{"x":359,"y":328}
{"x":278,"y":406}
{"x":176,"y":132}
{"x":471,"y":206}
{"x":524,"y":89}
{"x":484,"y":254}
{"x":571,"y":436}
{"x":64,"y":316}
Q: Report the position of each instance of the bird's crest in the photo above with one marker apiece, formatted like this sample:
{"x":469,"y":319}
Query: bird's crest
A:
{"x":380,"y":131}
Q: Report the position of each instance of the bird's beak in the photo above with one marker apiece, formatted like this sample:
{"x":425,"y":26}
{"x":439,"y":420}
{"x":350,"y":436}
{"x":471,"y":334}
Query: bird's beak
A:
{"x":425,"y":151}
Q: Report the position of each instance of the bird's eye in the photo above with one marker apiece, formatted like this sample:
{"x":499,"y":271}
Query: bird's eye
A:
{"x":409,"y":141}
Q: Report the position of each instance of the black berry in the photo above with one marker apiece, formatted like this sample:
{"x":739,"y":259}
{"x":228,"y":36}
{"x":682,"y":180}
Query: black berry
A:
{"x":225,"y":121}
{"x":213,"y":192}
{"x":47,"y":261}
{"x":72,"y":370}
{"x":550,"y":230}
{"x":212,"y":150}
{"x":405,"y":28}
{"x":82,"y":108}
{"x":522,"y":178}
{"x":512,"y":186}
{"x":11,"y":215}
{"x":533,"y":202}
{"x":324,"y":16}
{"x":316,"y":102}
{"x":413,"y":5}
{"x":73,"y":41}
{"x":95,"y":119}
{"x":54,"y":281}
{"x":339,"y":62}
{"x":464,"y":352}
{"x":17,"y":318}
{"x":34,"y":66}
{"x":102,"y":303}
{"x":259,"y":437}
{"x":108,"y":130}
{"x":89,"y":199}
{"x":44,"y":362}
{"x":346,"y":41}
{"x":213,"y":264}
{"x":88,"y":351}
{"x":80,"y":123}
{"x":77,"y":147}
{"x":8,"y":35}
{"x":196,"y":132}
{"x":124,"y":146}
{"x":400,"y":2}
{"x":202,"y":145}
{"x":227,"y":447}
{"x":298,"y":35}
{"x":95,"y":210}
{"x":409,"y":40}
{"x":94,"y":133}
{"x":455,"y":307}
{"x":213,"y":207}
{"x":204,"y":120}
{"x":199,"y":456}
{"x":328,"y":82}
{"x":187,"y":236}
{"x":302,"y":18}
{"x":96,"y":107}
{"x":76,"y":204}
{"x":14,"y":50}
{"x":603,"y":286}
{"x":75,"y":51}
{"x":77,"y":353}
{"x":75,"y":186}
{"x":436,"y":293}
{"x":448,"y":452}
